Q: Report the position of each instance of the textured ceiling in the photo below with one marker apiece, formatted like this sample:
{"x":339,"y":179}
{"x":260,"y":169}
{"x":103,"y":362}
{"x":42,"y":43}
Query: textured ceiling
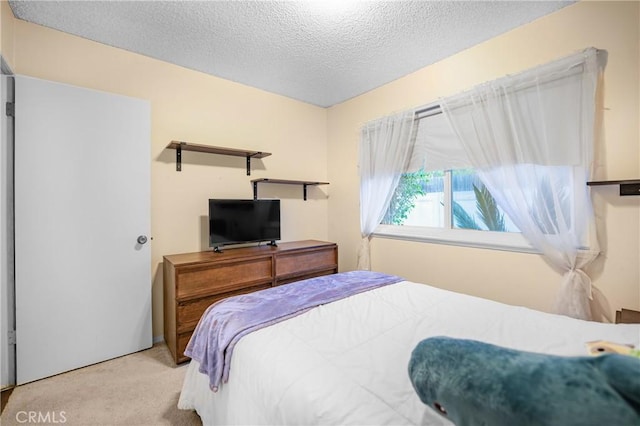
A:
{"x":320,"y":52}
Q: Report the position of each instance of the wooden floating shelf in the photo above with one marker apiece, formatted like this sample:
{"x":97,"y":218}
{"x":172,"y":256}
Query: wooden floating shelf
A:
{"x":304,"y":184}
{"x":180,"y":146}
{"x":627,"y":186}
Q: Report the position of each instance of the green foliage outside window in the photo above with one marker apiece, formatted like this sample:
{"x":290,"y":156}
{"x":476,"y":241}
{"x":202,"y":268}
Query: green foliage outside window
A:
{"x":410,"y":187}
{"x":487,"y":210}
{"x":414,"y":185}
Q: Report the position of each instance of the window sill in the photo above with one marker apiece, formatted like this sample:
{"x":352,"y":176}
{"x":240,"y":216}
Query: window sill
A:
{"x":506,"y":241}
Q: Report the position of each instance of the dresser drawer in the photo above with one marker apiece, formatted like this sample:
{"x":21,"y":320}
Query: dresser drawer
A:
{"x":291,"y":279}
{"x":189,"y":313}
{"x":222,"y":277}
{"x":305,"y":262}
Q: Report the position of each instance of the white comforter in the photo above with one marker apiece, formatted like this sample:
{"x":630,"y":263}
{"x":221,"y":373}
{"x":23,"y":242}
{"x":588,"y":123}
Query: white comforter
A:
{"x":345,"y":363}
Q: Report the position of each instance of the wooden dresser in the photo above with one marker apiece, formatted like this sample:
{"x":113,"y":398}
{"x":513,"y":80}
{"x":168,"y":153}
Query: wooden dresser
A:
{"x":193,"y":281}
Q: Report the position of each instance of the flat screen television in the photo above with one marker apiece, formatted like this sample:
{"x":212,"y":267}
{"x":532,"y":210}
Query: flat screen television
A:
{"x":243,"y":221}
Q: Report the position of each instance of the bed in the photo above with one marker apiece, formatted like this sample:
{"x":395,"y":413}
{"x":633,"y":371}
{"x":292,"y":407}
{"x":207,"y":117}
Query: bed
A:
{"x":345,"y":362}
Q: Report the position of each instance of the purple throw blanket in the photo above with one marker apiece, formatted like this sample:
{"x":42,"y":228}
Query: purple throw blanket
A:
{"x":227,"y":320}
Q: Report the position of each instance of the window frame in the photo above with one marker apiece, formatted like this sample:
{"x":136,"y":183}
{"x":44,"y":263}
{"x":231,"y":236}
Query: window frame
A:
{"x":506,"y":241}
{"x":449,"y":235}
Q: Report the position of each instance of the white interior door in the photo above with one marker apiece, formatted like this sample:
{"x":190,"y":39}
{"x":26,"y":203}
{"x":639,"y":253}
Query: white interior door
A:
{"x":83,"y":282}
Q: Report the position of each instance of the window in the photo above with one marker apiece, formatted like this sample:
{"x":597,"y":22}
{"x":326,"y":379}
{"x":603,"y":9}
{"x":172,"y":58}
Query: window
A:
{"x":422,"y":200}
{"x":450,"y":206}
{"x":528,"y":138}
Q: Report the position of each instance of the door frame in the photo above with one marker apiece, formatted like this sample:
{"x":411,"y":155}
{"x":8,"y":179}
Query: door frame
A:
{"x":7,"y":282}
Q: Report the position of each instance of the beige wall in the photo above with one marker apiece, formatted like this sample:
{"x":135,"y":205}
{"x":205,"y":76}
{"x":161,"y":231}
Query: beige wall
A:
{"x":190,"y":106}
{"x":523,"y":279}
{"x":6,"y":32}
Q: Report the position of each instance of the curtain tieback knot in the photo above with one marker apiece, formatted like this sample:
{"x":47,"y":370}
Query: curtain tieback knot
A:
{"x":585,"y":281}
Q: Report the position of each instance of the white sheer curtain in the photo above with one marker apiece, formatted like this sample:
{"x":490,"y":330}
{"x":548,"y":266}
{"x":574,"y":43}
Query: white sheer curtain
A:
{"x":530,"y":139}
{"x":385,"y":147}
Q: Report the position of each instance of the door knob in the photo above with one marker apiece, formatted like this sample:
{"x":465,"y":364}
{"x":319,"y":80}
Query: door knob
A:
{"x":142,"y":239}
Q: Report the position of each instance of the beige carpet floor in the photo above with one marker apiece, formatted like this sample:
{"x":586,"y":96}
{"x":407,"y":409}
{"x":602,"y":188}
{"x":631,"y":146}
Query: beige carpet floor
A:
{"x":137,"y":389}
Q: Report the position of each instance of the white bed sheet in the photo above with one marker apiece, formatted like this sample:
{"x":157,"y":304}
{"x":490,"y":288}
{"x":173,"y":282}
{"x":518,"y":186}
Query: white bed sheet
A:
{"x":345,"y":363}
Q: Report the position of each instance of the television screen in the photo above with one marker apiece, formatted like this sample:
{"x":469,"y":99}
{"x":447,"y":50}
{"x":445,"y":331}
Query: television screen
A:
{"x":243,"y":221}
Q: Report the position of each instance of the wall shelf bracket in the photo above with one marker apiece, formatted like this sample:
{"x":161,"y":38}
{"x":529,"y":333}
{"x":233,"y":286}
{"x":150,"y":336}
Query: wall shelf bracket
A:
{"x":179,"y":157}
{"x":249,"y":157}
